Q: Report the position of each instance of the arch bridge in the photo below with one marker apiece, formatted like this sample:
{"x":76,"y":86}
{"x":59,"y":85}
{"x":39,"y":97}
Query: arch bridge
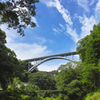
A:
{"x":40,"y":60}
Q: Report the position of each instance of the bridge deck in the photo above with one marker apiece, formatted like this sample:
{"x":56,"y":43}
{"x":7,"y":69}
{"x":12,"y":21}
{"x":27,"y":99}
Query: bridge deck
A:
{"x":40,"y":58}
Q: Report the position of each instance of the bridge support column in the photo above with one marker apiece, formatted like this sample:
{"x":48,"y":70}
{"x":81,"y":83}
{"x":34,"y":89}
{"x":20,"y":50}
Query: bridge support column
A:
{"x":72,"y":57}
{"x":29,"y":65}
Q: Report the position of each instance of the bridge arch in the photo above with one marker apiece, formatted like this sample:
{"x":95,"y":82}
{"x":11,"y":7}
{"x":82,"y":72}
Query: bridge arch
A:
{"x":47,"y":59}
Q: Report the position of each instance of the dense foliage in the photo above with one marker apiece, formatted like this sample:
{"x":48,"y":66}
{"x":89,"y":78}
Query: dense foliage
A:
{"x":18,"y":14}
{"x":81,"y":78}
{"x":10,"y":66}
{"x":43,"y":80}
{"x":8,"y":61}
{"x":89,"y":47}
{"x":73,"y":81}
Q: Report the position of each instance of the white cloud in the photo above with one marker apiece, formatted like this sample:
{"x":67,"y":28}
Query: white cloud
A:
{"x":62,"y":26}
{"x":72,"y":33}
{"x":23,"y":50}
{"x":87,"y":25}
{"x":92,"y":2}
{"x":10,"y":34}
{"x":87,"y":22}
{"x":55,"y":30}
{"x":83,"y":4}
{"x":66,"y":16}
{"x":97,"y":10}
{"x":58,"y":30}
{"x":49,"y":3}
{"x":27,"y":51}
{"x":98,"y":6}
{"x":64,"y":12}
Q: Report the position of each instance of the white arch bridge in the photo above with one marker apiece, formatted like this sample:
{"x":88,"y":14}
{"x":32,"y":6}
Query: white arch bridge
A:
{"x":41,"y":60}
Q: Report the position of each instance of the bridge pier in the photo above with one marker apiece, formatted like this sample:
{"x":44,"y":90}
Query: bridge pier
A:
{"x":29,"y":65}
{"x":72,"y":57}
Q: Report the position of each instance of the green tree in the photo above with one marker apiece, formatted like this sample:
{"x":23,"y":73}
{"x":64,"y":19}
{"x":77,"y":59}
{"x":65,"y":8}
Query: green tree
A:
{"x":89,"y":47}
{"x":17,"y":91}
{"x":90,"y":78}
{"x":8,"y":61}
{"x":9,"y":65}
{"x":69,"y":79}
{"x":74,"y":90}
{"x":18,"y":14}
{"x":65,"y":76}
{"x":89,"y":50}
{"x":43,"y":80}
{"x":93,"y":96}
{"x":81,"y":49}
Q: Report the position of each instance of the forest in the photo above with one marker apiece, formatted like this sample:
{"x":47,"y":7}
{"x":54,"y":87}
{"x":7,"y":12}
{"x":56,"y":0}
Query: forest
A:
{"x":72,"y":81}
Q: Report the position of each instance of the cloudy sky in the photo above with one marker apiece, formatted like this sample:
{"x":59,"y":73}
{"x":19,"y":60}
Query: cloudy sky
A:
{"x":60,"y":24}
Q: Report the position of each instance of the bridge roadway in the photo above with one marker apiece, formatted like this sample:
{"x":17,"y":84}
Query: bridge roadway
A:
{"x":41,"y":58}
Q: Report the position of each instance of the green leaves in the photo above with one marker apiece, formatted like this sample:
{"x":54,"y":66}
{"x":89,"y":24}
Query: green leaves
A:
{"x":89,"y":47}
{"x":68,"y":80}
{"x":81,"y":49}
{"x":9,"y":65}
{"x":2,"y":37}
{"x":18,"y":14}
{"x":66,"y":75}
{"x":43,"y":80}
{"x":89,"y":50}
{"x":74,"y":89}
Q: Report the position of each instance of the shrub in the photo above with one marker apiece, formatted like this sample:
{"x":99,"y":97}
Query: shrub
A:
{"x":93,"y":96}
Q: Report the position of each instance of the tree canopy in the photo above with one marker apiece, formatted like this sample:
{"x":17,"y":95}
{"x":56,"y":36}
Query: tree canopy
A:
{"x":8,"y":61}
{"x":10,"y":66}
{"x":89,"y":46}
{"x":18,"y":14}
{"x":43,"y":80}
{"x":89,"y":50}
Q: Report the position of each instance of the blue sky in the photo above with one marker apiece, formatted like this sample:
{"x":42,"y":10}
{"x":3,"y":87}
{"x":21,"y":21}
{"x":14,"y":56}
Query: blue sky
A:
{"x":60,"y":24}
